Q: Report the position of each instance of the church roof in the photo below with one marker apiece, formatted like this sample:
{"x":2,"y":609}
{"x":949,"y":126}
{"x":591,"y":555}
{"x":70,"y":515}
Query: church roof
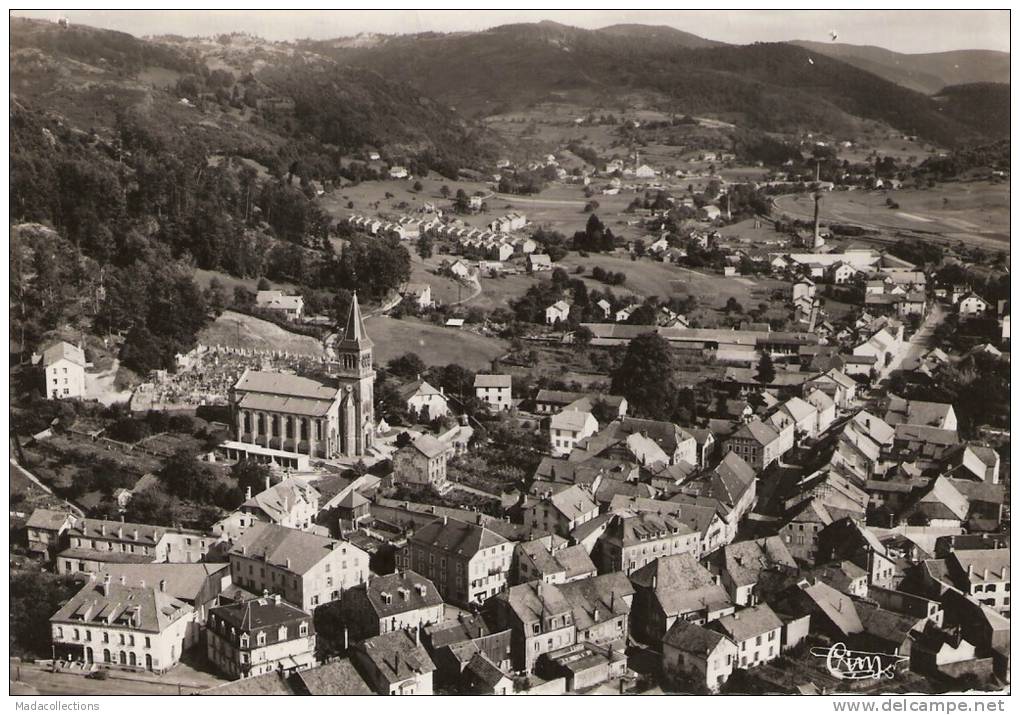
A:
{"x":355,"y":334}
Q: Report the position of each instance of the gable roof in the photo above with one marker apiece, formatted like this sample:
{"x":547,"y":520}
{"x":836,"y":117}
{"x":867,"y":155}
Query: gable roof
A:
{"x":428,"y":446}
{"x":294,"y":550}
{"x":63,"y":351}
{"x":136,"y":607}
{"x":572,"y":420}
{"x":749,"y":623}
{"x":757,"y":431}
{"x":457,"y":537}
{"x":339,"y":677}
{"x":408,"y":591}
{"x":283,"y":385}
{"x":47,"y":519}
{"x":492,"y":381}
{"x":279,"y":500}
{"x":396,"y":656}
{"x":692,"y":638}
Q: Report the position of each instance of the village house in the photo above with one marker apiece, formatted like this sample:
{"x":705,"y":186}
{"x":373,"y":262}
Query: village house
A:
{"x":558,"y":312}
{"x":420,"y":294}
{"x":468,"y":563}
{"x":539,"y":618}
{"x":984,"y":575}
{"x":64,"y":371}
{"x":548,"y":402}
{"x":133,"y":627}
{"x":395,"y":663}
{"x":398,"y":172}
{"x":972,"y":305}
{"x":538,"y":262}
{"x":569,"y":427}
{"x":559,"y":512}
{"x":306,"y":569}
{"x":495,"y":391}
{"x":424,"y":401}
{"x":756,"y":631}
{"x":258,"y":636}
{"x":92,"y":543}
{"x":291,"y":306}
{"x":674,"y":588}
{"x":46,"y":530}
{"x":422,"y":463}
{"x":198,"y":585}
{"x":292,"y":503}
{"x":742,"y":564}
{"x":549,"y":559}
{"x":459,"y":269}
{"x":756,"y":443}
{"x":401,"y":600}
{"x":601,"y":608}
{"x":694,"y":654}
{"x":632,"y":540}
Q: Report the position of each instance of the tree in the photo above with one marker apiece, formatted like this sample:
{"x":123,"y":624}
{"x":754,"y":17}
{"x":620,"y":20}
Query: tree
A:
{"x":766,"y":370}
{"x":645,"y":377}
{"x":264,"y":284}
{"x":250,"y":475}
{"x":417,"y":186}
{"x":34,"y":597}
{"x":425,"y":246}
{"x":582,"y":337}
{"x":444,"y":191}
{"x":408,"y":366}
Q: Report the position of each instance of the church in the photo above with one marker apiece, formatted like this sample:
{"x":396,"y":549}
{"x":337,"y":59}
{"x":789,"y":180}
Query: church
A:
{"x":286,"y":419}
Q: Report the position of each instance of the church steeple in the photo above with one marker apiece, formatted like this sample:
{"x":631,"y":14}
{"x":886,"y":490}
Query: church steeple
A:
{"x":355,"y":335}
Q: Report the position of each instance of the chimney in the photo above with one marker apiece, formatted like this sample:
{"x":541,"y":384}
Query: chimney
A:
{"x":244,"y":550}
{"x":120,"y":532}
{"x":105,"y":588}
{"x":595,"y":615}
{"x":970,"y":570}
{"x":102,"y":529}
{"x":288,"y":564}
{"x":1005,"y":573}
{"x":135,"y":535}
{"x":276,"y":599}
{"x":345,"y":638}
{"x":123,"y":580}
{"x":247,"y":492}
{"x":985,"y":575}
{"x":445,"y":520}
{"x":655,"y":580}
{"x":162,"y":585}
{"x":267,"y":481}
{"x":141,"y":583}
{"x":417,"y":634}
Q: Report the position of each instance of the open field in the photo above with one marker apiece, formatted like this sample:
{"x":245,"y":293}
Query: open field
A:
{"x":229,"y":282}
{"x":646,"y":277}
{"x":973,"y":212}
{"x":445,"y":290}
{"x":434,"y":344}
{"x":243,"y":331}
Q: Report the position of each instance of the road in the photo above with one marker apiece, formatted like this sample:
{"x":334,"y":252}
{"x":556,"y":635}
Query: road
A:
{"x":923,"y":340}
{"x":27,"y":679}
{"x":515,"y":199}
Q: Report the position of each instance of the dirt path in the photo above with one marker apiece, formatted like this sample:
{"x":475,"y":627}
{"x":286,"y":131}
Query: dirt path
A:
{"x":920,"y":342}
{"x":101,"y":386}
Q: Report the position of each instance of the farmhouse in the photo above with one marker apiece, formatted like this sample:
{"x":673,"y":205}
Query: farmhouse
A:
{"x":558,"y":312}
{"x":290,"y":305}
{"x":494,"y":390}
{"x":64,"y":368}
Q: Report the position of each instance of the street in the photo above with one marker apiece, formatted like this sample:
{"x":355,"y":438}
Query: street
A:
{"x":909,"y":356}
{"x":36,"y":679}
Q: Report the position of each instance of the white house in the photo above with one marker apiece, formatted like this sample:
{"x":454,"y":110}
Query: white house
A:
{"x":567,"y":428}
{"x":623,"y":314}
{"x":841,"y":273}
{"x":607,"y":310}
{"x":460,"y":269}
{"x":644,"y":172}
{"x":398,"y":172}
{"x":539,"y":262}
{"x":290,"y":305}
{"x":420,"y":395}
{"x":558,"y":312}
{"x":64,"y":365}
{"x":494,"y":390}
{"x":419,"y":293}
{"x":972,"y":304}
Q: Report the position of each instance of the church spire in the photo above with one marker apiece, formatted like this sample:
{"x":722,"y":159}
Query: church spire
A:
{"x":355,"y":333}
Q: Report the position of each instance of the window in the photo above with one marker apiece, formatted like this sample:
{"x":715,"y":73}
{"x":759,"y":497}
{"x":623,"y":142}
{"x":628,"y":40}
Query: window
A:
{"x":303,"y":629}
{"x":757,"y":641}
{"x":260,"y":639}
{"x":244,"y":640}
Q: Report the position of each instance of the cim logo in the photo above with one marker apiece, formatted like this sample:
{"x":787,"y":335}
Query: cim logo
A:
{"x":847,"y":664}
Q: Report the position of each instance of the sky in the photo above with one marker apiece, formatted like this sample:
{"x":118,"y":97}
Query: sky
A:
{"x":910,"y":31}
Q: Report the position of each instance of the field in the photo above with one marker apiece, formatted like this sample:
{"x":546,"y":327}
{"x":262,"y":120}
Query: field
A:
{"x":243,"y":331}
{"x":646,"y":277}
{"x":229,"y":282}
{"x":445,"y":290}
{"x":434,"y":344}
{"x":973,"y":212}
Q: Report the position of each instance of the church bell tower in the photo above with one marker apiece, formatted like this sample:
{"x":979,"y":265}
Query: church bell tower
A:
{"x":357,"y":376}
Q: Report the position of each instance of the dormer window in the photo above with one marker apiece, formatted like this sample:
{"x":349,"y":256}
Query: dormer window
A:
{"x":244,"y":640}
{"x":303,"y":629}
{"x":260,"y":639}
{"x":281,"y":635}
